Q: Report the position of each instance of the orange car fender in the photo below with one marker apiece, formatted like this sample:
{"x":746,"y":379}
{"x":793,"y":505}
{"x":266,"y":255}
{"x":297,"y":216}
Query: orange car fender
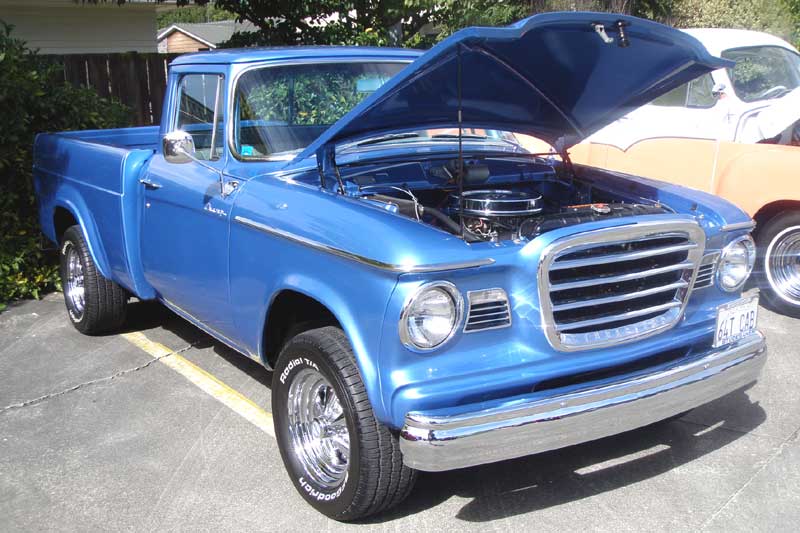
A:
{"x":758,"y":174}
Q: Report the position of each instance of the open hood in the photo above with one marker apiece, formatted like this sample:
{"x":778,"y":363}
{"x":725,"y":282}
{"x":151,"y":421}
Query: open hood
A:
{"x":556,"y":76}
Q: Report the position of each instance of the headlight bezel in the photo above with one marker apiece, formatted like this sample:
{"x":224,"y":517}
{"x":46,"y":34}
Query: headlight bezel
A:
{"x":750,"y":245}
{"x":458,"y":306}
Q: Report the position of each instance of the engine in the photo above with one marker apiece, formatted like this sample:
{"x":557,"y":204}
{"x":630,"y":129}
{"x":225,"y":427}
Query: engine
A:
{"x":517,"y":208}
{"x":490,"y":214}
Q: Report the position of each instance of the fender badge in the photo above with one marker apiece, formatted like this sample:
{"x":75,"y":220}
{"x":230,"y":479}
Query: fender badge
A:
{"x":217,"y":211}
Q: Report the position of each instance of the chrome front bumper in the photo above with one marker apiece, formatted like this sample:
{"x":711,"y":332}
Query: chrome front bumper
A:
{"x":435,"y":443}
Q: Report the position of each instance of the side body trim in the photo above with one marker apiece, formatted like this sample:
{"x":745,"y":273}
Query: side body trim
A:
{"x":750,"y":224}
{"x":400,"y":269}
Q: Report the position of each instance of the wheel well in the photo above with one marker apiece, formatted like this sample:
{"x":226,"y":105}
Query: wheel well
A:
{"x":770,"y":210}
{"x":62,"y":219}
{"x":291,"y":313}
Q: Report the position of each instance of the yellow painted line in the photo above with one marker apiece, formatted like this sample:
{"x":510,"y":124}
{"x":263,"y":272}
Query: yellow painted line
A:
{"x":206,"y":382}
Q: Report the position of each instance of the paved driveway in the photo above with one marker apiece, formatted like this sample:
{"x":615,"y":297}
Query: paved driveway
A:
{"x":167,"y":430}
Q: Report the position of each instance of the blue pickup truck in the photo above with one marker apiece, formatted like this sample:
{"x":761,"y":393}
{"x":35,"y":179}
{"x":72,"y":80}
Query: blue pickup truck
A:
{"x":429,"y":294}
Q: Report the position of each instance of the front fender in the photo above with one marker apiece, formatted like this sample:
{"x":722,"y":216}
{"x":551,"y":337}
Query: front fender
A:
{"x":363,"y":339}
{"x":264,"y":265}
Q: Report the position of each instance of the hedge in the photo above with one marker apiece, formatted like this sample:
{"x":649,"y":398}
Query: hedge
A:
{"x":34,"y":98}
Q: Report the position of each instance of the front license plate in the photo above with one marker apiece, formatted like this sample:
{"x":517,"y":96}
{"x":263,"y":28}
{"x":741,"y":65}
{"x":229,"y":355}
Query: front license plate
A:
{"x":736,"y":320}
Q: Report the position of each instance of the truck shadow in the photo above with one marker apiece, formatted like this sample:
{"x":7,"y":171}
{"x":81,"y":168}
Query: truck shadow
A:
{"x":143,"y":316}
{"x":537,"y":482}
{"x":555,"y":478}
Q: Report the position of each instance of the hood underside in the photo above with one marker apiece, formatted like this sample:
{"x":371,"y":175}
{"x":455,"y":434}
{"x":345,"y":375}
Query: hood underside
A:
{"x":556,"y":76}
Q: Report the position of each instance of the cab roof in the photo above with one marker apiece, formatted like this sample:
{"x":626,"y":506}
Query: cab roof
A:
{"x":252,"y":55}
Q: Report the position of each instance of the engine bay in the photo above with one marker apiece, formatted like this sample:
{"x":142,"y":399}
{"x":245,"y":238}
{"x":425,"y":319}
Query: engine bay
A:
{"x":498,"y":199}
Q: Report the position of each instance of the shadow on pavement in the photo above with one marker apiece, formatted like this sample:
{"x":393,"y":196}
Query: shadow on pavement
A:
{"x":143,"y":316}
{"x":550,"y":479}
{"x":531,"y":483}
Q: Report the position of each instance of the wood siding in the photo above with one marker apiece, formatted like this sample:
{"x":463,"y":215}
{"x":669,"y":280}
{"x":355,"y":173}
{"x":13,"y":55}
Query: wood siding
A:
{"x":67,"y":27}
{"x":180,"y":43}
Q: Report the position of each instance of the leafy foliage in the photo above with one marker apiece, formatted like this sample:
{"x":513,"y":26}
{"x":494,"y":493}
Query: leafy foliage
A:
{"x":193,"y":14}
{"x":762,"y":15}
{"x":387,"y":22}
{"x":34,"y":98}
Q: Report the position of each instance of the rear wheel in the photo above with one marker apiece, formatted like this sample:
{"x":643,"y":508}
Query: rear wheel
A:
{"x":779,"y":262}
{"x":343,"y":461}
{"x":94,"y":304}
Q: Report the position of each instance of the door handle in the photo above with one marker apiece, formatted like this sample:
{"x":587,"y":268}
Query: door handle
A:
{"x":148,"y":184}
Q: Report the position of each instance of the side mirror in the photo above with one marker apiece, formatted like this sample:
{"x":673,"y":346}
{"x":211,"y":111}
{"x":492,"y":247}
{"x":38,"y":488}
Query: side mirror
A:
{"x":178,"y":147}
{"x":718,"y":91}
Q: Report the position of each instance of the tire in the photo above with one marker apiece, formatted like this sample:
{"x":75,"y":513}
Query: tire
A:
{"x":343,"y":482}
{"x":778,"y":267}
{"x":95,"y":304}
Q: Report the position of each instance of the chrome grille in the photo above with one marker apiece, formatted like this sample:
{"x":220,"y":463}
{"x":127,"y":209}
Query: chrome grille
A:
{"x":705,"y":274}
{"x":615,"y":285}
{"x":488,"y":309}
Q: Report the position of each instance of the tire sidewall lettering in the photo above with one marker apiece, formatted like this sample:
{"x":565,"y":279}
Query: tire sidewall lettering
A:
{"x":318,"y":495}
{"x":294,"y":364}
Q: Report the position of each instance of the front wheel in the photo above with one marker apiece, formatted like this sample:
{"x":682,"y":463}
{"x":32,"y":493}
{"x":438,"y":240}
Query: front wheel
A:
{"x":779,"y":262}
{"x":343,"y":461}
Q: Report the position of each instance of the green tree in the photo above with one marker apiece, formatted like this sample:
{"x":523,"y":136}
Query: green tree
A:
{"x":193,"y":14}
{"x":378,"y":22}
{"x":34,"y":98}
{"x":762,"y":15}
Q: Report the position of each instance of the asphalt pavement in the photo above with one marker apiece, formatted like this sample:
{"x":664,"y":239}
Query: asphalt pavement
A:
{"x":104,"y":433}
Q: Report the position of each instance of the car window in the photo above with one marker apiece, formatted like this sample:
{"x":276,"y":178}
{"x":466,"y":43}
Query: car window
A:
{"x":198,"y":97}
{"x":696,"y":93}
{"x":763,"y":72}
{"x":281,"y":110}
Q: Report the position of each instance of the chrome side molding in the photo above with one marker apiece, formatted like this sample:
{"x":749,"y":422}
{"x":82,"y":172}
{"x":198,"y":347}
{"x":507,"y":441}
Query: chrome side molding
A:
{"x":402,"y":269}
{"x":750,"y":224}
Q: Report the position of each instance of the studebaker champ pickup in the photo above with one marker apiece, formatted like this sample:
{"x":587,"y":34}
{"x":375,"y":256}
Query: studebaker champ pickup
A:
{"x":427,"y":300}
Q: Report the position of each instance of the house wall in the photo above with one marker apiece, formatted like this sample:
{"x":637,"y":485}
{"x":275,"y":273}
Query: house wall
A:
{"x":67,"y":27}
{"x":180,"y":43}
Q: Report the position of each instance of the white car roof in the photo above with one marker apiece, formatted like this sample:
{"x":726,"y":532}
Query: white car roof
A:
{"x":717,"y":40}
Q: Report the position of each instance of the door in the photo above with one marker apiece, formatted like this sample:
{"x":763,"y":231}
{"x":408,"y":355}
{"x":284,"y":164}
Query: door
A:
{"x":186,"y":218}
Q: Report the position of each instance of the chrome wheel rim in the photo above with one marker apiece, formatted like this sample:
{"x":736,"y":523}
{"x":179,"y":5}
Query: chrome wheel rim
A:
{"x":318,"y":429}
{"x":782,"y":262}
{"x":75,"y":287}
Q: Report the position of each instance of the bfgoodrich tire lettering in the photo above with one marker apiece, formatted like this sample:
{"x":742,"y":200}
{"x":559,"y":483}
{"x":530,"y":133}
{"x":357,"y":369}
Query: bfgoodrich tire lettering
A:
{"x":94,"y":304}
{"x":373,"y":477}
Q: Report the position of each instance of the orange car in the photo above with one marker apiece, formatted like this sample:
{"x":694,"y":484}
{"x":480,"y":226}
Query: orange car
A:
{"x":734,"y":133}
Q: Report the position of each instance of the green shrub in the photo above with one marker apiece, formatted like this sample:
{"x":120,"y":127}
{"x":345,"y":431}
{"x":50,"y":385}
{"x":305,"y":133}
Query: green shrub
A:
{"x":34,"y":98}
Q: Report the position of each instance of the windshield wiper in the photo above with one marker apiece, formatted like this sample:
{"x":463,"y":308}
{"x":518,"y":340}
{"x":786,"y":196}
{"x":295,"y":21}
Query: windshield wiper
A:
{"x":390,"y":137}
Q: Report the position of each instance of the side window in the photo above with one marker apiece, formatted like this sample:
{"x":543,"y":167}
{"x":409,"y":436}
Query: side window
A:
{"x":696,"y":93}
{"x":200,"y":109}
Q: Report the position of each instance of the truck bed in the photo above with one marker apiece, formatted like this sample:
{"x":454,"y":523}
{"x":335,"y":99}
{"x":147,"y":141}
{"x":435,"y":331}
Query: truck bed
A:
{"x":84,"y":177}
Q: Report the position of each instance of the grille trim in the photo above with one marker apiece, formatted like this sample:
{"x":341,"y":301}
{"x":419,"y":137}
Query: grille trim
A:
{"x":487,"y":309}
{"x":603,"y":280}
{"x":621,"y":298}
{"x":707,"y":271}
{"x":656,"y":314}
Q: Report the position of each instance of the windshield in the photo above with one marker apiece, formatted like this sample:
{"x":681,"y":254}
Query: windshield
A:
{"x":281,"y":110}
{"x":763,"y":72}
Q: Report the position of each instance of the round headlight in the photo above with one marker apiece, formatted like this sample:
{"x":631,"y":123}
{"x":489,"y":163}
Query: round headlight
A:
{"x":431,"y":316}
{"x":736,"y":263}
